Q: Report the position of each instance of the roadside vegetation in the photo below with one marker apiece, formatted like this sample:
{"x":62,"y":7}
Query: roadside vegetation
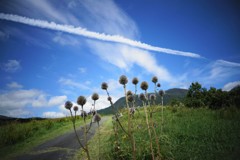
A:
{"x":18,"y":137}
{"x":187,"y":134}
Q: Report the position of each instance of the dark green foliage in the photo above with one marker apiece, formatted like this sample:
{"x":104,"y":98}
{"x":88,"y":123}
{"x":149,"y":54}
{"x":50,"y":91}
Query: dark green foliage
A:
{"x":234,"y":97}
{"x":194,"y":96}
{"x":212,"y":98}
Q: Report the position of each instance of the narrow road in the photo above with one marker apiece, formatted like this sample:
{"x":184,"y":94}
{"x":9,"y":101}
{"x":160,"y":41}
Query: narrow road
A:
{"x":60,"y":148}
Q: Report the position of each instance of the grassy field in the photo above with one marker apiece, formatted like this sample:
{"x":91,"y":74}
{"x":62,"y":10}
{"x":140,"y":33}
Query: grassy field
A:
{"x":17,"y":138}
{"x":187,"y":134}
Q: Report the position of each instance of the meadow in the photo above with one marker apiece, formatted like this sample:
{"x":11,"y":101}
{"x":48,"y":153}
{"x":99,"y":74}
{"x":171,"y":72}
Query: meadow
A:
{"x":187,"y":133}
{"x":18,"y":137}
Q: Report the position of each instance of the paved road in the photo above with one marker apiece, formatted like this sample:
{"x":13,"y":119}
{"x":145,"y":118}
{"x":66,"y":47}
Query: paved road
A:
{"x":60,"y":148}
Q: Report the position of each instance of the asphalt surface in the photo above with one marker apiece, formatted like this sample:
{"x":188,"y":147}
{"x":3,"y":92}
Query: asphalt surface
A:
{"x":60,"y":148}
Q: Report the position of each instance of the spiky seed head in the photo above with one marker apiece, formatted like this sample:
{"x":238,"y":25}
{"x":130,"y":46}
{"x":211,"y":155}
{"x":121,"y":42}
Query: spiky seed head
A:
{"x":130,"y":98}
{"x":144,"y":85}
{"x":153,"y":97}
{"x":81,"y":100}
{"x":142,"y":97}
{"x":161,"y":92}
{"x":75,"y":108}
{"x":93,"y":112}
{"x":129,"y":93}
{"x":158,"y":85}
{"x":95,"y":96}
{"x":132,"y":110}
{"x":135,"y":81}
{"x":123,"y":80}
{"x":83,"y":114}
{"x":109,"y":98}
{"x":154,"y":79}
{"x":104,"y":86}
{"x":68,"y":105}
{"x":97,"y":118}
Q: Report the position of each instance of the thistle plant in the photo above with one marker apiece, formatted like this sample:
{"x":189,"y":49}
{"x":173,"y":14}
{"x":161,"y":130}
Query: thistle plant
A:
{"x":135,"y":82}
{"x":153,"y":99}
{"x":82,"y":101}
{"x":144,"y":86}
{"x":104,"y":86}
{"x":123,"y":80}
{"x":68,"y":106}
{"x":161,"y":93}
{"x":96,"y":118}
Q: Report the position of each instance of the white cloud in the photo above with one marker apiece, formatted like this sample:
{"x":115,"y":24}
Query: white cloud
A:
{"x":230,"y":85}
{"x":57,"y":100}
{"x":227,"y":63}
{"x":105,"y":16}
{"x":53,"y":114}
{"x":94,"y":35}
{"x":82,"y":70}
{"x":223,"y":69}
{"x":12,"y":101}
{"x":3,"y":35}
{"x":65,"y":40}
{"x":72,"y":83}
{"x":125,"y":57}
{"x":14,"y":85}
{"x":11,"y":66}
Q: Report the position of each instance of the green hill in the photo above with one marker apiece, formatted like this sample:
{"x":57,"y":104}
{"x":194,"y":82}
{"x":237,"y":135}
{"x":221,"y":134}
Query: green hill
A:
{"x":175,"y":93}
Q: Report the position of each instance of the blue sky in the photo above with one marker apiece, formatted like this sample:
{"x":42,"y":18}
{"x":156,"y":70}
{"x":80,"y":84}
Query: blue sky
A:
{"x":55,"y":51}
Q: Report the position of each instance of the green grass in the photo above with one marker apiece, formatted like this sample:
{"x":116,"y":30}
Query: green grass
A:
{"x":17,"y":138}
{"x":187,"y":134}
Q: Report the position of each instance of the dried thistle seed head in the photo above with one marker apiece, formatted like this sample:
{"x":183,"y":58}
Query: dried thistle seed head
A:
{"x":75,"y":108}
{"x":68,"y":105}
{"x":132,"y":110}
{"x":109,"y":98}
{"x":93,"y":112}
{"x":83,"y":114}
{"x":123,"y":80}
{"x":135,"y":81}
{"x":154,"y":79}
{"x":158,"y":85}
{"x":97,"y":118}
{"x":142,"y":97}
{"x":144,"y":85}
{"x":153,"y":97}
{"x":104,"y":86}
{"x":95,"y":96}
{"x":130,"y":98}
{"x":129,"y":93}
{"x":161,"y":92}
{"x":81,"y":100}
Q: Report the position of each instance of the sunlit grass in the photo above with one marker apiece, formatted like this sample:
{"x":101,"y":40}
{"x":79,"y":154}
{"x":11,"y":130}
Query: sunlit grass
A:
{"x":17,"y":138}
{"x":187,"y":134}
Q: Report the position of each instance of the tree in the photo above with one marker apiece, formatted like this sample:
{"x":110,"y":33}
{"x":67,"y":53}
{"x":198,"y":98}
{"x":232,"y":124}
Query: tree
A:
{"x":195,"y":96}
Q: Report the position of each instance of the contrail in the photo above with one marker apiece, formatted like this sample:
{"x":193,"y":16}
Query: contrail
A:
{"x":94,"y":35}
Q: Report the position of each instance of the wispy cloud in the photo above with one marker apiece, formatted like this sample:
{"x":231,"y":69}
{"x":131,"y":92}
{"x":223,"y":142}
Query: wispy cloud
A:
{"x":14,"y":85}
{"x":11,"y":66}
{"x":93,"y":35}
{"x":124,"y":60}
{"x":230,"y":85}
{"x":227,"y":63}
{"x":72,"y":83}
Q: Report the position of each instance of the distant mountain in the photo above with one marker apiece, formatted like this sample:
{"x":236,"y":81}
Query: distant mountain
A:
{"x":175,"y":93}
{"x":5,"y":119}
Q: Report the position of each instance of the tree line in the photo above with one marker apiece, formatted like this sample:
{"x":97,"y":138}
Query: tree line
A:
{"x":197,"y":96}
